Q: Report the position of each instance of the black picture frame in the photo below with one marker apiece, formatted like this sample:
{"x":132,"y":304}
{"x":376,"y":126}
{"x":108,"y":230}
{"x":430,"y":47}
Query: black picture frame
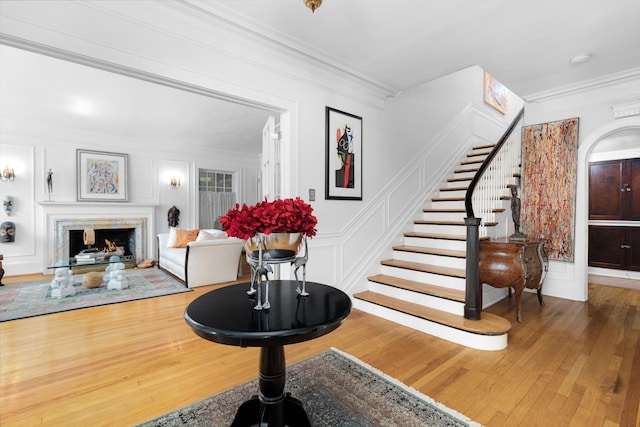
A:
{"x":343,"y":161}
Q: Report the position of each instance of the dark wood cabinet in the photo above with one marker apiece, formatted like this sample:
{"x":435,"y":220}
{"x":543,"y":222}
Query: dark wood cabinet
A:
{"x":614,"y":190}
{"x":614,"y":247}
{"x":614,"y":208}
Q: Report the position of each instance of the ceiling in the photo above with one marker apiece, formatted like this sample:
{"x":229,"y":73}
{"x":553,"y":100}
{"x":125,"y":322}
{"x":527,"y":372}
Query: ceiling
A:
{"x":61,"y":94}
{"x":402,"y":43}
{"x":525,"y":44}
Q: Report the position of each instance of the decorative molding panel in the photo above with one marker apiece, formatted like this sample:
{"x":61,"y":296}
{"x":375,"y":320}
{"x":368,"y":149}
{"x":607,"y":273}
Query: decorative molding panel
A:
{"x":626,"y":109}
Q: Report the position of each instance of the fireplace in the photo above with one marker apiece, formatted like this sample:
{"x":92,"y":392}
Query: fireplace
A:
{"x":63,"y":217}
{"x":127,"y":233}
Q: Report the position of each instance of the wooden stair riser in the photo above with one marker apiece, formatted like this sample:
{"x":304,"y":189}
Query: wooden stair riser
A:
{"x":467,"y":339}
{"x":453,"y":307}
{"x":455,"y":245}
{"x":453,"y":230}
{"x":453,"y":262}
{"x":443,"y":216}
{"x":426,"y":277}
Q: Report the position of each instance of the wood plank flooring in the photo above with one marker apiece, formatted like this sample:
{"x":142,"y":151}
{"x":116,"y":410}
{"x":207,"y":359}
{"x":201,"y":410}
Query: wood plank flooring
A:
{"x":568,"y":364}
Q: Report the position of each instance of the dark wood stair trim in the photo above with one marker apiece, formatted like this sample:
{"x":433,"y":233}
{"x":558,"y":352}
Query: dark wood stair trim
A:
{"x":481,"y":153}
{"x":429,"y":222}
{"x":489,"y":324}
{"x":453,"y":189}
{"x":425,"y":268}
{"x":471,"y":162}
{"x":431,"y":210}
{"x":447,"y":199}
{"x":419,"y":287}
{"x":474,"y":170}
{"x":483,"y":147}
{"x":458,"y":179}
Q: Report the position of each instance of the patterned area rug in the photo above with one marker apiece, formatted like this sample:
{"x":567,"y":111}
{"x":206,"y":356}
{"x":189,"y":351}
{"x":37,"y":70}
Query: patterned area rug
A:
{"x":28,"y":299}
{"x":336,"y":389}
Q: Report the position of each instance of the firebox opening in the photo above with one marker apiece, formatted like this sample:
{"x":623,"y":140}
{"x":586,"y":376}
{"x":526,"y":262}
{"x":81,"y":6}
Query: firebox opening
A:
{"x":106,"y":240}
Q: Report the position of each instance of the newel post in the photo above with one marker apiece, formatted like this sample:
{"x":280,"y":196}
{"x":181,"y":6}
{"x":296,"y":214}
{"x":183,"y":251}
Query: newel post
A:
{"x":473,"y":298}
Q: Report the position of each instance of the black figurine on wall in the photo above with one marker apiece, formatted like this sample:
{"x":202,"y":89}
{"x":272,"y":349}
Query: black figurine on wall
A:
{"x":173,"y":216}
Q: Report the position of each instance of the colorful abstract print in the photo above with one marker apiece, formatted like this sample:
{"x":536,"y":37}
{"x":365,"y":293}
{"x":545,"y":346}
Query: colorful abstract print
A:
{"x":103,"y":177}
{"x":549,"y":152}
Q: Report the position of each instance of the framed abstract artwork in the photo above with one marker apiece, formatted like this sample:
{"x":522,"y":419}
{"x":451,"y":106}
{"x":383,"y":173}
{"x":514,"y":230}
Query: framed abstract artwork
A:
{"x":343,"y":174}
{"x":496,"y":94}
{"x":549,"y":180}
{"x":101,"y":176}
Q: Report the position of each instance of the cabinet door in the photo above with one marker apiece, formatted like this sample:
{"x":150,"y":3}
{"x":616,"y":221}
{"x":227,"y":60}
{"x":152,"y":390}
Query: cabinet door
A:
{"x":633,"y":196}
{"x":606,"y":247}
{"x":606,"y":200}
{"x":634,"y":250}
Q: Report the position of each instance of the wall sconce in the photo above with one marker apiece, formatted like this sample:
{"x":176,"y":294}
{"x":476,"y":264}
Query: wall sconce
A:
{"x":175,"y":182}
{"x":8,"y":174}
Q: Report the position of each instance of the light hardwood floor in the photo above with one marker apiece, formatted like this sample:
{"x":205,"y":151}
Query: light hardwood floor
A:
{"x":569,"y":363}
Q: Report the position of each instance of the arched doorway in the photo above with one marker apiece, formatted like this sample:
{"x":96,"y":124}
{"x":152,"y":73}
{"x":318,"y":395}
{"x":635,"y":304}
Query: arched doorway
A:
{"x":582,"y":195}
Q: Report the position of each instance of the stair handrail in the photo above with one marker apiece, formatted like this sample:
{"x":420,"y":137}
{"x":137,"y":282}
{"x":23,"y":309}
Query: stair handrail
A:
{"x":468,"y":203}
{"x":473,"y":294}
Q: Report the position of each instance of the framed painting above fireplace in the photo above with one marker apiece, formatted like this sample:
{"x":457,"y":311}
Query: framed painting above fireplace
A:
{"x":101,"y":176}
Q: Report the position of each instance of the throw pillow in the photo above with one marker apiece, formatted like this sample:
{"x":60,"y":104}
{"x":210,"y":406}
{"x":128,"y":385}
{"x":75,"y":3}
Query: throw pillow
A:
{"x":171,"y":241}
{"x":211,"y":235}
{"x":185,"y":236}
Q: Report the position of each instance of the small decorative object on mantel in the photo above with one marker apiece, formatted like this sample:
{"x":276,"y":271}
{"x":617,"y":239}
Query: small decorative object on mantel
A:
{"x":273,"y":233}
{"x":515,"y":214}
{"x":50,"y":183}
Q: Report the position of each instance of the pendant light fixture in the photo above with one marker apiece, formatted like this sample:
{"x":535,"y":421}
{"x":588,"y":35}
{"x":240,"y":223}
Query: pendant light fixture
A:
{"x":313,"y":4}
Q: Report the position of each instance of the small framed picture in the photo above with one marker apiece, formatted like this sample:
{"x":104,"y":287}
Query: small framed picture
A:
{"x":101,"y":176}
{"x":343,"y":174}
{"x":496,"y":94}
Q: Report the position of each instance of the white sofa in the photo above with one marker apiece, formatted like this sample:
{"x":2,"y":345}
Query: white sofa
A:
{"x":202,"y":262}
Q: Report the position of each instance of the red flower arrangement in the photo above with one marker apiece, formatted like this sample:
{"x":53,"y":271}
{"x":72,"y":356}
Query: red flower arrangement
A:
{"x":278,"y":216}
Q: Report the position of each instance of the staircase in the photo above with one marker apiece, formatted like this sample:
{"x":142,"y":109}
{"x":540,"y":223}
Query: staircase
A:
{"x":423,"y":285}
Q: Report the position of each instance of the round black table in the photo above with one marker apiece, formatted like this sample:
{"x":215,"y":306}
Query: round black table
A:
{"x":227,"y":316}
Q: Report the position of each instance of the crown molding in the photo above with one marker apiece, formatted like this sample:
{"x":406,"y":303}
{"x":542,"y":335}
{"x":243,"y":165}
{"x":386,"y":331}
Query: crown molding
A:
{"x":217,"y":13}
{"x":584,"y":86}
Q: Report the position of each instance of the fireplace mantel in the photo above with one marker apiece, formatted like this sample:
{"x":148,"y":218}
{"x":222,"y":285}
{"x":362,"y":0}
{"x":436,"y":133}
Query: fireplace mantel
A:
{"x":76,"y":204}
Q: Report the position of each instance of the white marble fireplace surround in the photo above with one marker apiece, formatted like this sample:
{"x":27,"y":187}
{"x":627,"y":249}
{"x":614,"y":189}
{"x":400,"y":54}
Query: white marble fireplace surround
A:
{"x":60,"y":218}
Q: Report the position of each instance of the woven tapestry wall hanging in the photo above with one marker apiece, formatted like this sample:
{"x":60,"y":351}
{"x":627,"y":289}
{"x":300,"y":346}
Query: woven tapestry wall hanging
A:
{"x":549,"y":152}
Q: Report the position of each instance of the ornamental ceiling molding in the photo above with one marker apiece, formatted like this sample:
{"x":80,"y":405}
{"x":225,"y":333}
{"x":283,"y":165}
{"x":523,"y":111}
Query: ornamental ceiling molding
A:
{"x":215,"y":14}
{"x":585,"y":86}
